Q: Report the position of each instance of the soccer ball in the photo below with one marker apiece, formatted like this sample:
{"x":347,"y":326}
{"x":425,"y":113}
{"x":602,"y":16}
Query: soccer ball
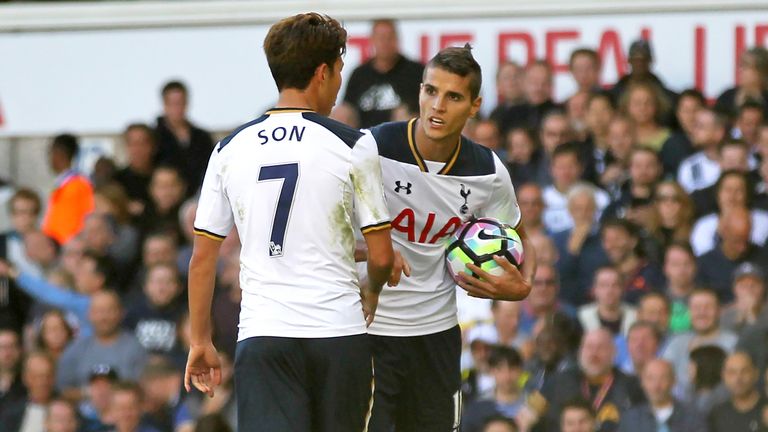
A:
{"x":477,"y":241}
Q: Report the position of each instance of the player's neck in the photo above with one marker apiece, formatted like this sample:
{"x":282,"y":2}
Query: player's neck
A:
{"x":435,"y":150}
{"x":295,"y":98}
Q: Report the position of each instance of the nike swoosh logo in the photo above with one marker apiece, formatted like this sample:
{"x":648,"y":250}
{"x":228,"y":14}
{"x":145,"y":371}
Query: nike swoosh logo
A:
{"x":483,"y":235}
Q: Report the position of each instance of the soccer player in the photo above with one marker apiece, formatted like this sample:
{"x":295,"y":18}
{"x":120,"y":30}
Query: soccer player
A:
{"x":435,"y":179}
{"x":293,"y":182}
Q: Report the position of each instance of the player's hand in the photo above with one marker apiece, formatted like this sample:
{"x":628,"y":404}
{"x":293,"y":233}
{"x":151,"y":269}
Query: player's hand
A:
{"x":399,"y":268}
{"x":509,"y":286}
{"x":203,"y":369}
{"x":370,"y":302}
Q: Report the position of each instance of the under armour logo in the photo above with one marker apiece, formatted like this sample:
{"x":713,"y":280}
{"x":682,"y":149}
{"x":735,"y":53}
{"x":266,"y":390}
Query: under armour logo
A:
{"x":464,"y":194}
{"x":399,"y":186}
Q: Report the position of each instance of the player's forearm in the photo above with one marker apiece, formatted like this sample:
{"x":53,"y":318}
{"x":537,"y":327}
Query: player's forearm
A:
{"x":202,"y":277}
{"x":529,"y":262}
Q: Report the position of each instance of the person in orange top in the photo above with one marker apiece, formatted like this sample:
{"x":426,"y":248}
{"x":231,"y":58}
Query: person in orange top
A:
{"x":72,"y":197}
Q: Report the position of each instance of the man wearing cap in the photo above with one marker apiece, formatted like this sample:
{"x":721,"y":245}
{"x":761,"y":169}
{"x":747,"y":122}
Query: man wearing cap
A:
{"x":749,"y":305}
{"x":101,"y":382}
{"x":640,"y":59}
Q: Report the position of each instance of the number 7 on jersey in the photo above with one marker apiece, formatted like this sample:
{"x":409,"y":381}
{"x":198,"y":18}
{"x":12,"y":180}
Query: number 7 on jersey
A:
{"x":289,"y":174}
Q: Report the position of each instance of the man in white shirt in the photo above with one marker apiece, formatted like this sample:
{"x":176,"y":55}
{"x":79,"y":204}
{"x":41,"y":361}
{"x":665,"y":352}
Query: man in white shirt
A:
{"x":702,"y":169}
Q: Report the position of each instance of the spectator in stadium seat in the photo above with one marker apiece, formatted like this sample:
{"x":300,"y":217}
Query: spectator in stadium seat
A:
{"x":166,"y":192}
{"x":158,"y":248}
{"x":584,"y":66}
{"x":645,"y":105}
{"x":555,"y":131}
{"x":505,"y":329}
{"x":644,"y":173}
{"x":134,"y":177}
{"x":716,"y":267}
{"x":93,"y":275}
{"x":154,"y":317}
{"x":127,"y":406}
{"x":544,"y":302}
{"x":505,"y":398}
{"x":54,"y":334}
{"x":597,"y":119}
{"x":112,"y":201}
{"x":566,"y":169}
{"x":745,"y":411}
{"x":680,"y":274}
{"x":576,"y":110}
{"x":524,"y":158}
{"x":384,"y":82}
{"x":487,"y":135}
{"x":24,"y":208}
{"x":621,"y":240}
{"x":72,"y":196}
{"x":620,"y":144}
{"x":702,"y":168}
{"x":531,"y":207}
{"x":109,"y":345}
{"x":42,"y":251}
{"x":28,"y":414}
{"x":643,"y":342}
{"x":11,"y":386}
{"x":672,"y":217}
{"x":537,"y":86}
{"x":61,"y":417}
{"x":705,"y":330}
{"x":705,"y":370}
{"x":751,"y":115}
{"x":94,"y":410}
{"x":552,"y":352}
{"x":579,"y":248}
{"x":165,"y":403}
{"x":679,"y":145}
{"x":577,"y":416}
{"x":748,"y":307}
{"x":662,"y":411}
{"x":179,"y":142}
{"x":607,"y":311}
{"x":734,"y":157}
{"x":761,"y":186}
{"x":654,"y":308}
{"x":640,"y":60}
{"x":509,"y":87}
{"x":607,"y":389}
{"x":753,"y":83}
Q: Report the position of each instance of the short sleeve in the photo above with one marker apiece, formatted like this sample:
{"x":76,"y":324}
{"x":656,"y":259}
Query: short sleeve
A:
{"x":502,"y":203}
{"x":369,"y":203}
{"x":214,"y":214}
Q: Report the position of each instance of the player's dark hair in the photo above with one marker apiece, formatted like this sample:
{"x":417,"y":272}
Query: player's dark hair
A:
{"x":588,"y":52}
{"x":66,"y":144}
{"x":459,"y":61}
{"x":296,"y":46}
{"x":174,"y":86}
{"x":501,"y":354}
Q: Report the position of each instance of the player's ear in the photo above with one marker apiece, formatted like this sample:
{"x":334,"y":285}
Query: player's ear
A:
{"x":476,"y":106}
{"x":322,"y":73}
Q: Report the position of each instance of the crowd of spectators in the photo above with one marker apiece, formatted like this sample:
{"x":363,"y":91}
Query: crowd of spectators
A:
{"x":648,"y":209}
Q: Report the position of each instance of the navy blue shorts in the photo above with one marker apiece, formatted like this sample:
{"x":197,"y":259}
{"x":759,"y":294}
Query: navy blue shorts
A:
{"x":418,"y":382}
{"x":302,"y":385}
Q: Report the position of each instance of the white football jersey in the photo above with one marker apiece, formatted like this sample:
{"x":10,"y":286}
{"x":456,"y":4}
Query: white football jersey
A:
{"x":295,"y":183}
{"x":428,"y":201}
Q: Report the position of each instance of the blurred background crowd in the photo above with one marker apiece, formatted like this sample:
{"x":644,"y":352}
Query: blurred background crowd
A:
{"x":648,"y":210}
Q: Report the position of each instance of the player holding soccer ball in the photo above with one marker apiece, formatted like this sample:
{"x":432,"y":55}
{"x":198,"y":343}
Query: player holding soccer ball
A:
{"x":435,"y":180}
